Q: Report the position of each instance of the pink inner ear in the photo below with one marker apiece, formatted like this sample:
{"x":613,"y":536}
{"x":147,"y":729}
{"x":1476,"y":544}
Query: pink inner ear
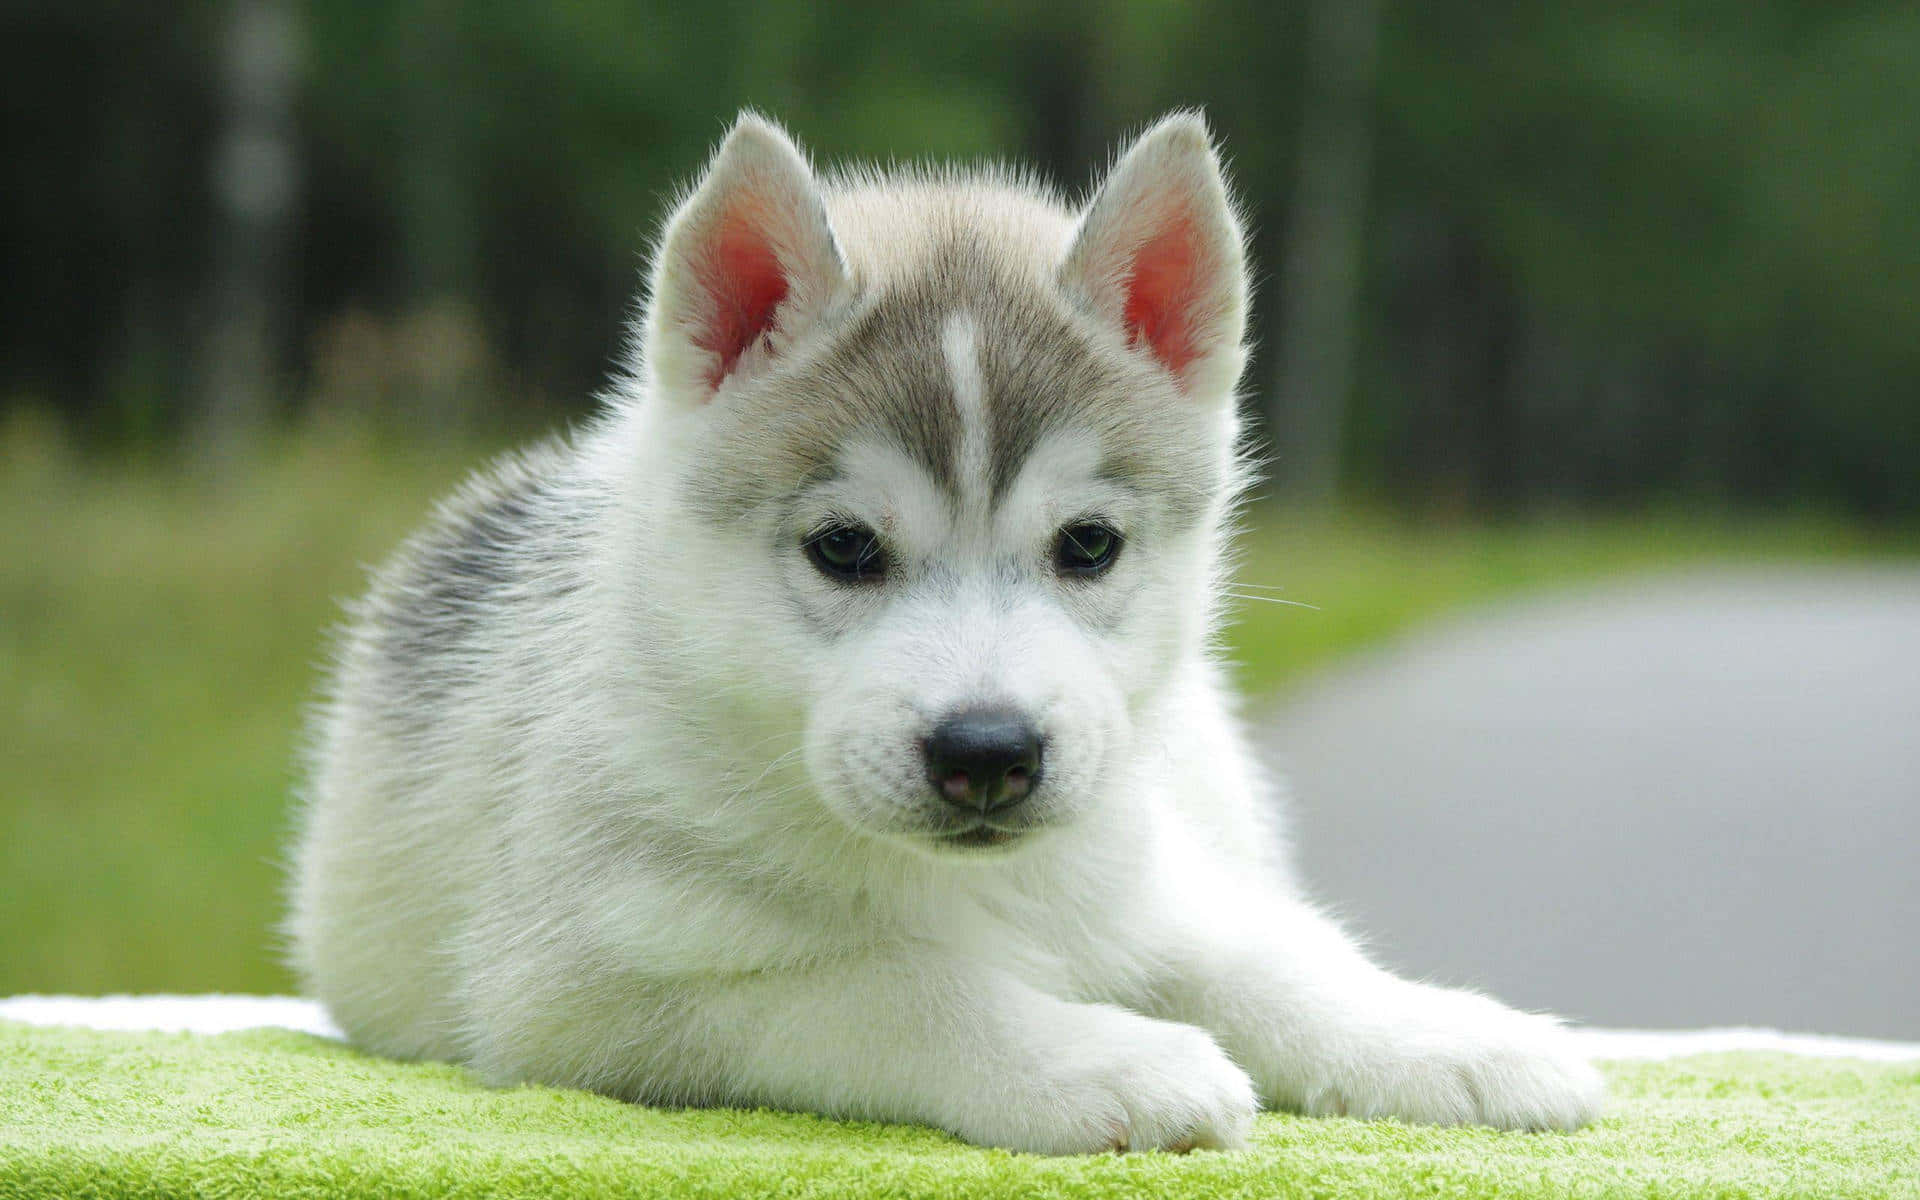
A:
{"x":745,"y":281}
{"x":1160,"y":293}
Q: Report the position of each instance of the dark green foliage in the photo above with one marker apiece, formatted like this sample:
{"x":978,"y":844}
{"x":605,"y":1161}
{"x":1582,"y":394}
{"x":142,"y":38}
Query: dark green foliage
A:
{"x":1613,"y":252}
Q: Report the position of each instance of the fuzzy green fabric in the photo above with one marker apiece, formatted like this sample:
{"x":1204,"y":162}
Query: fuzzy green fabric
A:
{"x":275,"y":1113}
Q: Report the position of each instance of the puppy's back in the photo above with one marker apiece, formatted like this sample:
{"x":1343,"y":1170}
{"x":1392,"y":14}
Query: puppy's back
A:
{"x":409,"y":749}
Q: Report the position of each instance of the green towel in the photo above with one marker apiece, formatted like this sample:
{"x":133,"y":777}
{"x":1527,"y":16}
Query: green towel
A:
{"x":276,"y":1113}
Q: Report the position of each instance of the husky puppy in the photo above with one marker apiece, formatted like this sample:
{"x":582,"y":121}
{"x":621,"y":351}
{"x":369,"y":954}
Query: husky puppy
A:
{"x":833,"y":725}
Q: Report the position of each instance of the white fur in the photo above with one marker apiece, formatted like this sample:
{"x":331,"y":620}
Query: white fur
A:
{"x":639,"y":806}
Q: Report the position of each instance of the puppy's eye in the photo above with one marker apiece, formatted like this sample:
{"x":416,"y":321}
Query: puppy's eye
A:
{"x":847,"y":553}
{"x":1085,"y":548}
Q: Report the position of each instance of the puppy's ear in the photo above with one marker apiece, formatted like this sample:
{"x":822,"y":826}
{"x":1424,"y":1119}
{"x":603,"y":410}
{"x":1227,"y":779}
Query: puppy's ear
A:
{"x":747,"y":264}
{"x":1158,"y":254}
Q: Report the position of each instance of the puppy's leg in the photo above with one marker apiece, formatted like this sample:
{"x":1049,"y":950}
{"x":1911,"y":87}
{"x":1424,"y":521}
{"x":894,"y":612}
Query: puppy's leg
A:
{"x":927,"y":1040}
{"x":1323,"y":1031}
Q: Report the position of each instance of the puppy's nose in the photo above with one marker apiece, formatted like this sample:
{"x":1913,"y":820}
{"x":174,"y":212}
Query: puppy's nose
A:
{"x":984,"y":759}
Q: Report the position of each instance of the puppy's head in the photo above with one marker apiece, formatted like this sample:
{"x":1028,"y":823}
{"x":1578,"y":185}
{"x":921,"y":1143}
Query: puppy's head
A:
{"x":946,"y":464}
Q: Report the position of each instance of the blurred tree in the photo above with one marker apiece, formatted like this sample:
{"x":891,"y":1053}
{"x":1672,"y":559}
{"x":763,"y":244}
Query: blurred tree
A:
{"x":253,"y":185}
{"x":107,"y":119}
{"x":1319,"y":292}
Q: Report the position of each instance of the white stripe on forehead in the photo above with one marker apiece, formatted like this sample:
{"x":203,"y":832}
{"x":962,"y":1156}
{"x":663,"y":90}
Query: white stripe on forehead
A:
{"x":973,"y":465}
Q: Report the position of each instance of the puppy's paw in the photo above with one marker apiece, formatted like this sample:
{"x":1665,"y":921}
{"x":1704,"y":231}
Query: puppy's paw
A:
{"x":1126,"y":1082}
{"x":1452,"y":1058}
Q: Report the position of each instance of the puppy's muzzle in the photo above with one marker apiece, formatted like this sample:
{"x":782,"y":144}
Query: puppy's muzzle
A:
{"x":984,"y":761}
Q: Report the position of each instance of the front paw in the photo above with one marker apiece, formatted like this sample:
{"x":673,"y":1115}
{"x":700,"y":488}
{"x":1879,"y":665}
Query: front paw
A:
{"x":1122,"y":1082}
{"x":1452,"y":1058}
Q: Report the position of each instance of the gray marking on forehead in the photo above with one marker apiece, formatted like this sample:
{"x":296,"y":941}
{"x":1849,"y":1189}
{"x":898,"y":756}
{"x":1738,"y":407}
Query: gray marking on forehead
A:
{"x":1045,"y":371}
{"x":1040,"y":375}
{"x":893,"y":371}
{"x":880,"y":376}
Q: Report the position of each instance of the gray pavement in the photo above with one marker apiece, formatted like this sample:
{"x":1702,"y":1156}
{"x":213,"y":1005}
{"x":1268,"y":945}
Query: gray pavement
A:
{"x":1673,"y":802}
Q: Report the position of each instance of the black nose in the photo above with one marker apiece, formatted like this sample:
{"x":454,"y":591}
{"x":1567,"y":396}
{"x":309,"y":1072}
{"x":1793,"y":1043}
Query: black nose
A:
{"x":984,"y":759}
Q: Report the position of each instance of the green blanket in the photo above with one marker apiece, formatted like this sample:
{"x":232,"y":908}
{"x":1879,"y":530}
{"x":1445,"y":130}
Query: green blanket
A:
{"x":275,"y":1113}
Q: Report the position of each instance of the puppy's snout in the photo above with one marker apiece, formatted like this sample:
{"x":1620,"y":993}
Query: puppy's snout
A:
{"x":984,"y":760}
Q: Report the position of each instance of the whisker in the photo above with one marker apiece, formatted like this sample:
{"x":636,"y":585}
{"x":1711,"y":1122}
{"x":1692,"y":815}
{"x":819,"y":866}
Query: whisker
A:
{"x":1274,"y":600}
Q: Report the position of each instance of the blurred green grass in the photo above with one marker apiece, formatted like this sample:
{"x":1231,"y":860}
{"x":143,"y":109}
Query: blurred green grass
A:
{"x":162,"y":626}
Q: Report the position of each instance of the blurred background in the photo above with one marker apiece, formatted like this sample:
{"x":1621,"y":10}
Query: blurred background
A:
{"x":1553,"y":299}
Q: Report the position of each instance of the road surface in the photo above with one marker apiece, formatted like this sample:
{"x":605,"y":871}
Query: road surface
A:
{"x":1678,"y":802}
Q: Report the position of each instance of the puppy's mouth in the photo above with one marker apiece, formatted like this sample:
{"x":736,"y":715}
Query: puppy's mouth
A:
{"x":980,"y":837}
